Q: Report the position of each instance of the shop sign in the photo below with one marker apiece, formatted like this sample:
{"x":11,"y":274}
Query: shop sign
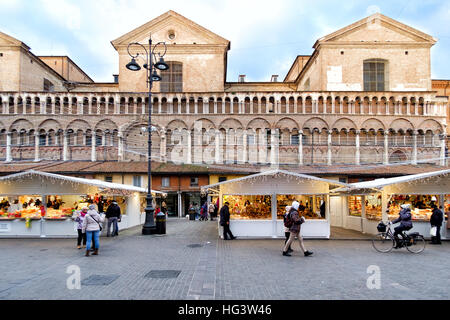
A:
{"x":5,"y":227}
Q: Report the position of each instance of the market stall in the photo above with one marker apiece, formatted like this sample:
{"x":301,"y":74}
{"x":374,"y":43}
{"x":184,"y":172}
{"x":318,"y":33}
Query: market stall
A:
{"x":258,"y":202}
{"x":381,"y":199}
{"x":40,"y":204}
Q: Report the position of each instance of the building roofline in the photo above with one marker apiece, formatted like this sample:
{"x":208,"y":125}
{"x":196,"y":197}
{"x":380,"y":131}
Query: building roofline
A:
{"x":65,"y":56}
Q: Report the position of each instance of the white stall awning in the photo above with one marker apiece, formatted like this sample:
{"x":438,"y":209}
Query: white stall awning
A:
{"x":436,"y":182}
{"x":274,"y":181}
{"x":37,"y":182}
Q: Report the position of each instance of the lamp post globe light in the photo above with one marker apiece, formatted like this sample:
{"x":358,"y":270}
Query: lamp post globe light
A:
{"x":152,"y":76}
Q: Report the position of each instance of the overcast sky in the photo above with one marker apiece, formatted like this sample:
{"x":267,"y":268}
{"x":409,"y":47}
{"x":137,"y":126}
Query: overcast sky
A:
{"x":265,"y":35}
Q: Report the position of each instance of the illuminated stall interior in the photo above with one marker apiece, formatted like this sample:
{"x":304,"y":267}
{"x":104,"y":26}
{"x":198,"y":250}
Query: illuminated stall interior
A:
{"x":258,"y":202}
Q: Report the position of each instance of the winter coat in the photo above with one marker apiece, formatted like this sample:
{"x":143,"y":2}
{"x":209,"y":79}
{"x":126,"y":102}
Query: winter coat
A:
{"x":436,"y":218}
{"x":224,"y":215}
{"x":113,"y":211}
{"x":92,"y":221}
{"x":404,"y":219}
{"x":298,"y":221}
{"x":78,"y":218}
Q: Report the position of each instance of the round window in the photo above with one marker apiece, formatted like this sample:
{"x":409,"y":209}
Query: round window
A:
{"x":171,"y":34}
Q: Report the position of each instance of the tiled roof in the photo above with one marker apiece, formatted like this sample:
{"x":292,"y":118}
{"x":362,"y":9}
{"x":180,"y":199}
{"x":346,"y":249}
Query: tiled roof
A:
{"x":85,"y":167}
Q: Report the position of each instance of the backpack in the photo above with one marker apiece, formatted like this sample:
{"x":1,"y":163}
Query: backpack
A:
{"x":288,"y":221}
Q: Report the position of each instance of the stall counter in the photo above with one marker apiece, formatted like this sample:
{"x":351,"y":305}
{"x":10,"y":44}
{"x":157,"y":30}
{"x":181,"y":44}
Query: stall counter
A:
{"x":312,"y":229}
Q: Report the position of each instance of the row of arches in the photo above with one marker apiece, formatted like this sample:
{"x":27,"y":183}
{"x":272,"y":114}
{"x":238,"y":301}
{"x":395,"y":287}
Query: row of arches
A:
{"x":315,"y":123}
{"x":227,"y":104}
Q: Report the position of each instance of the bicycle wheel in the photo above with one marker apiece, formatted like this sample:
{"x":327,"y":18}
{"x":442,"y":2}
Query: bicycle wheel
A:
{"x":417,"y":245}
{"x":383,"y":242}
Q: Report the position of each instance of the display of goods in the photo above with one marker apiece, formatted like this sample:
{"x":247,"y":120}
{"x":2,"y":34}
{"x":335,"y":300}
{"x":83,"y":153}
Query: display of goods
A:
{"x":57,"y":214}
{"x":29,"y":213}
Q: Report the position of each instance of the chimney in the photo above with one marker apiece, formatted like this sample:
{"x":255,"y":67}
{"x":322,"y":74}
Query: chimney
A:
{"x":241,"y":78}
{"x":274,"y":78}
{"x":116,"y":78}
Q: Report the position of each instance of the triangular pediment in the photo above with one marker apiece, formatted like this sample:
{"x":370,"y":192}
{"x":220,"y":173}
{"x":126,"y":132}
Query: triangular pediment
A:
{"x":377,"y":28}
{"x":185,"y":31}
{"x":6,"y":40}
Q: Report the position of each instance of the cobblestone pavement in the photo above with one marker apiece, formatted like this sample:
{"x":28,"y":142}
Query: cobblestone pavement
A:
{"x":209,"y":268}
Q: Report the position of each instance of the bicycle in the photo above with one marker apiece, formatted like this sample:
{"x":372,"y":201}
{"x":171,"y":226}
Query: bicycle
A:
{"x":384,"y":242}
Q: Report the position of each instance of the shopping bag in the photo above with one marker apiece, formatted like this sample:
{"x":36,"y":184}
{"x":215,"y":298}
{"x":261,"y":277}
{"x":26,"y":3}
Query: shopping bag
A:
{"x":433,"y":231}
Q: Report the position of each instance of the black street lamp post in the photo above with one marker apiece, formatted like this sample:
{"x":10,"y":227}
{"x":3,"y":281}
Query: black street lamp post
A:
{"x":152,"y":75}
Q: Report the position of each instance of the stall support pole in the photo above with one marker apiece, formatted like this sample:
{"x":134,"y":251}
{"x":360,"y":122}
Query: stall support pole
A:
{"x":363,"y":212}
{"x":328,"y":214}
{"x":180,"y":212}
{"x":384,"y":206}
{"x":44,"y":198}
{"x":442,"y":205}
{"x":274,"y":215}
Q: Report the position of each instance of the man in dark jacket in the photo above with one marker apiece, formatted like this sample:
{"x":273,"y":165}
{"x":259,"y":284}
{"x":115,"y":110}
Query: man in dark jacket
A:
{"x":405,"y":223}
{"x":114,"y":215}
{"x":436,"y":221}
{"x":225,"y":222}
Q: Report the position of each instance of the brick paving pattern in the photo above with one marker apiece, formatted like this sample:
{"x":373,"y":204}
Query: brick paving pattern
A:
{"x":216,"y":269}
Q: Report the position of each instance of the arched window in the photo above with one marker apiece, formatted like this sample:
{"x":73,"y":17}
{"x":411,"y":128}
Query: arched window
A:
{"x":172,"y":79}
{"x":376,"y":75}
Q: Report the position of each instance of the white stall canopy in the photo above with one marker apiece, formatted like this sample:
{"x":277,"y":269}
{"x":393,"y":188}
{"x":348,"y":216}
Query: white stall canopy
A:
{"x":437,"y":182}
{"x":273,"y":182}
{"x":36,"y":182}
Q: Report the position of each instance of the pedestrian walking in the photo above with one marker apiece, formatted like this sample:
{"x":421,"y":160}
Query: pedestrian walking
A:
{"x":295,"y":228}
{"x":78,"y":216}
{"x":92,"y":228}
{"x":113,"y":215}
{"x":436,"y":220}
{"x":211,"y":210}
{"x":204,"y":212}
{"x":101,"y":205}
{"x":287,"y":232}
{"x":197,"y":211}
{"x":216,"y":210}
{"x":225,"y":222}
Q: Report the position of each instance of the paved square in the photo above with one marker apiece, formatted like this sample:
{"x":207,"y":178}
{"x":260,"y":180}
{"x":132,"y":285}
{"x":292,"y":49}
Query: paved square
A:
{"x":236,"y":270}
{"x":99,"y":280}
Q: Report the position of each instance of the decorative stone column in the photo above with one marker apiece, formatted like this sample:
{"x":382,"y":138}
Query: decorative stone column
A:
{"x":244,"y":147}
{"x":43,"y":105}
{"x":189,"y":147}
{"x":274,"y":150}
{"x":442,"y":141}
{"x":94,"y":148}
{"x":414,"y":155}
{"x":163,"y":146}
{"x":300,"y":148}
{"x":36,"y":147}
{"x":358,"y":151}
{"x":120,"y":148}
{"x":65,"y":146}
{"x":329,"y":158}
{"x":218,"y":144}
{"x":386,"y":148}
{"x":8,"y":147}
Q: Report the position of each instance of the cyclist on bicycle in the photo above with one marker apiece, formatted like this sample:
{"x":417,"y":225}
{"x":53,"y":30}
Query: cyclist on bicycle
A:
{"x":405,"y":223}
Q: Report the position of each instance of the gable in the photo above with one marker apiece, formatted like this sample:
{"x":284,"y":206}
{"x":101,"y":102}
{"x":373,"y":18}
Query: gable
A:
{"x":378,"y":31}
{"x":6,"y":40}
{"x":186,"y":32}
{"x":379,"y":28}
